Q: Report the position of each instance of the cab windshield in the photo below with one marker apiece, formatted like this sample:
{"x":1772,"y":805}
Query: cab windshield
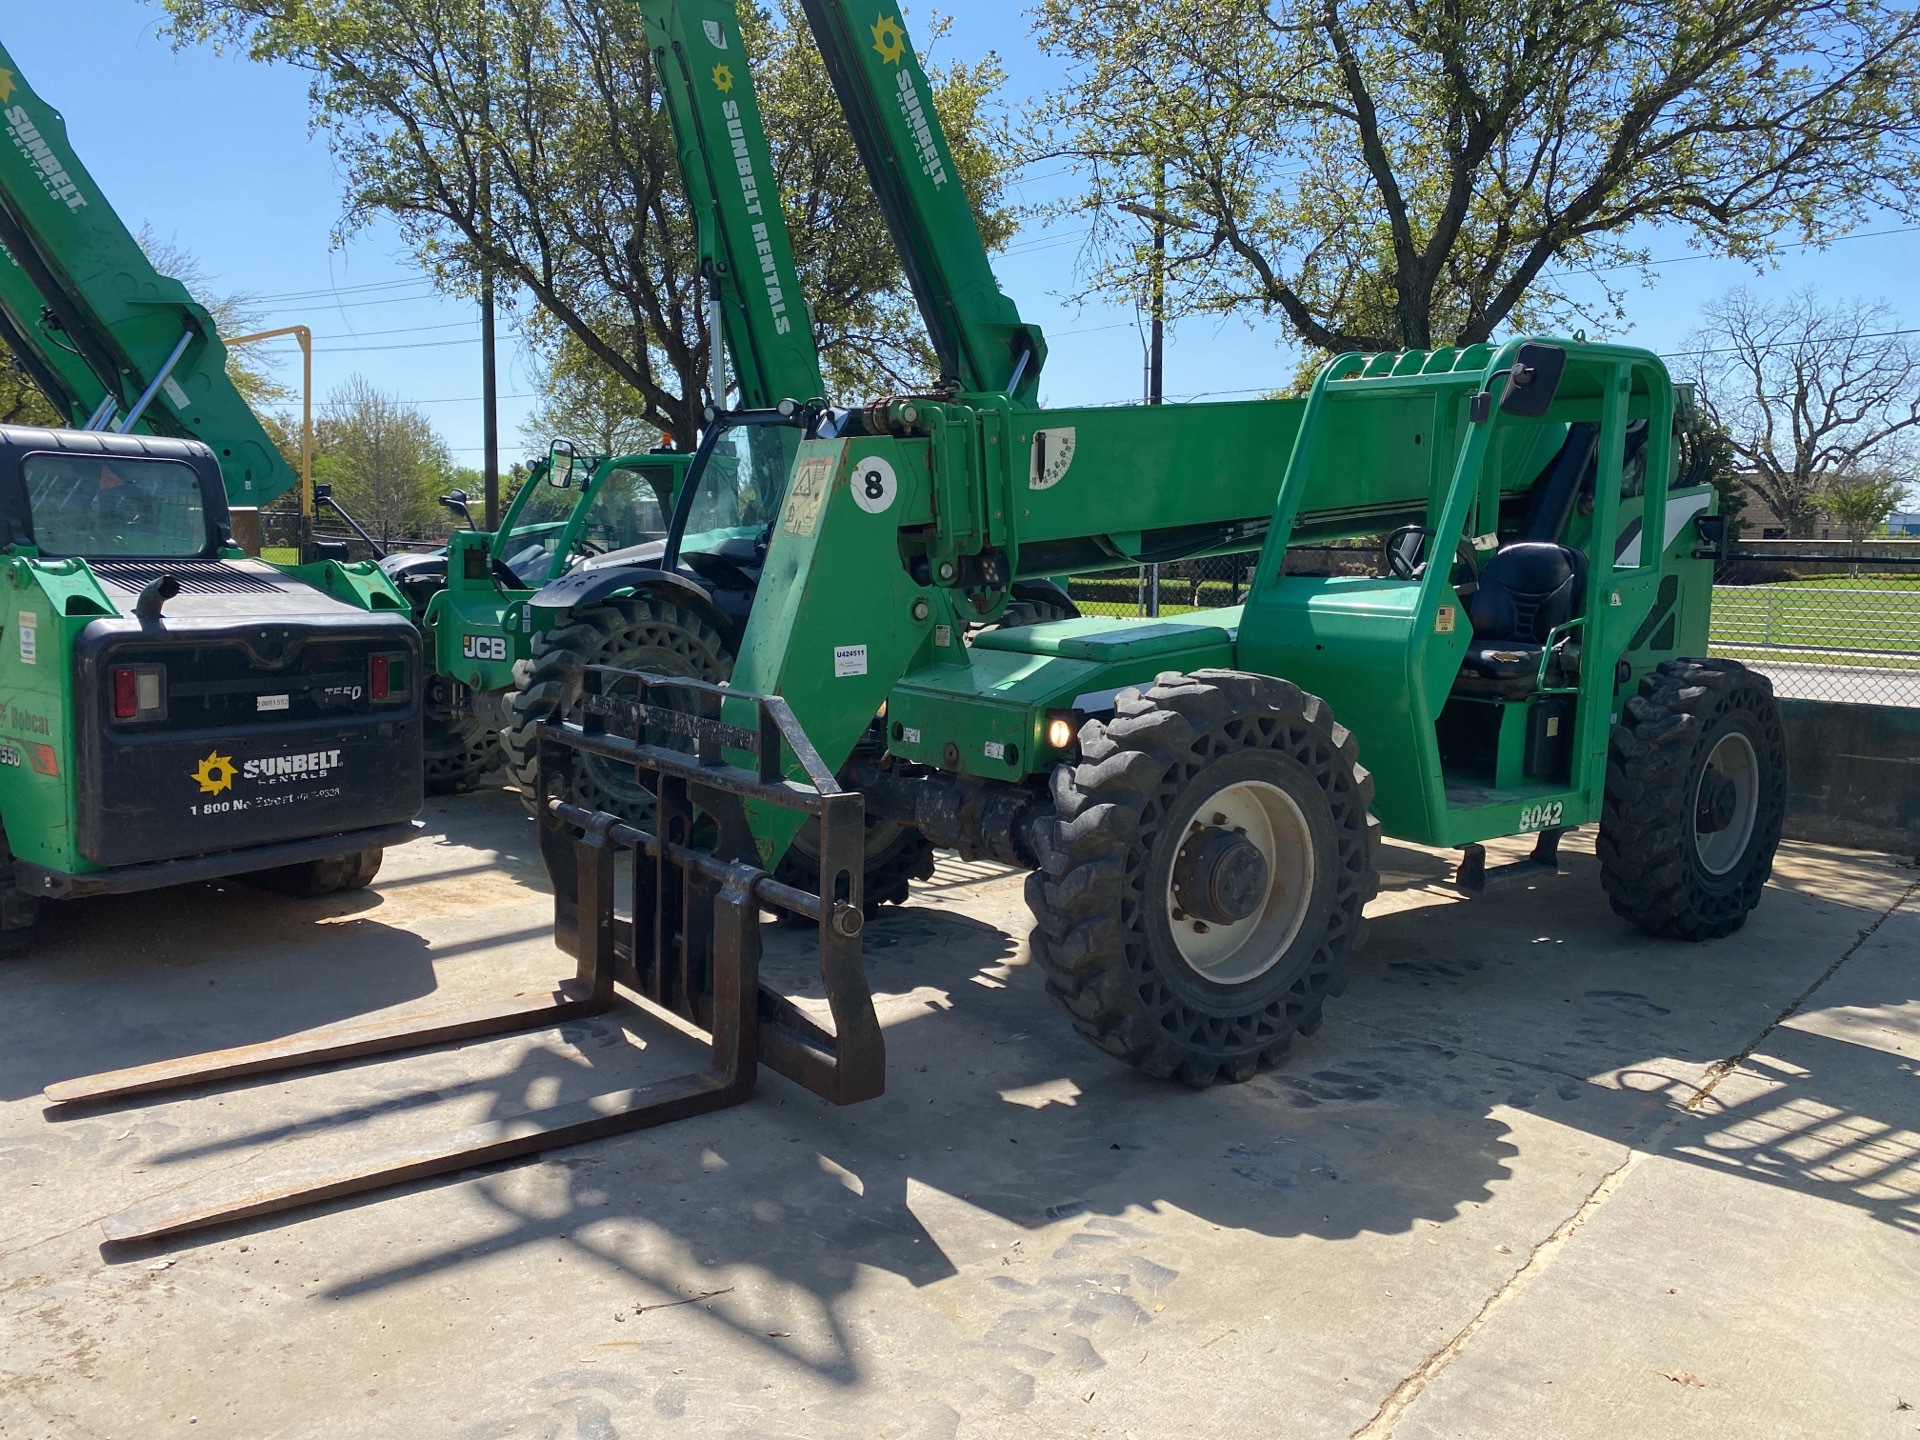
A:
{"x":738,"y":485}
{"x":629,"y":507}
{"x":99,"y":506}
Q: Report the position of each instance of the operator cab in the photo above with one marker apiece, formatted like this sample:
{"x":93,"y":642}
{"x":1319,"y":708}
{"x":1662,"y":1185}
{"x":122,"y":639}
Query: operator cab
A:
{"x":1522,"y":563}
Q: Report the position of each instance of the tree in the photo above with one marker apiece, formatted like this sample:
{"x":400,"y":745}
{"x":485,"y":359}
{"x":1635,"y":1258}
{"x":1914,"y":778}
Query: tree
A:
{"x":21,"y":402}
{"x":1812,"y":394}
{"x":583,"y":401}
{"x":1706,"y":458}
{"x":526,"y":137}
{"x":1862,"y":501}
{"x":1406,"y":173}
{"x":384,"y":459}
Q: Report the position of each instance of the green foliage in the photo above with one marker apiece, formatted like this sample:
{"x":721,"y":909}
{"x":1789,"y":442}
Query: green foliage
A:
{"x":385,"y":461}
{"x":1389,"y":174}
{"x":1861,"y":502}
{"x":526,"y":137}
{"x":1706,"y":458}
{"x":583,"y":401}
{"x":21,"y":402}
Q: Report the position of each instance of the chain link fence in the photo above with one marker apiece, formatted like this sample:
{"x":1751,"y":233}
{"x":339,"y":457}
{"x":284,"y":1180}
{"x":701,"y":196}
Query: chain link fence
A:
{"x":1822,"y":623}
{"x":282,"y":537}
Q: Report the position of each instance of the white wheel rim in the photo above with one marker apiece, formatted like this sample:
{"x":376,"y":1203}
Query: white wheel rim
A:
{"x":1734,"y":761}
{"x":1232,"y":954}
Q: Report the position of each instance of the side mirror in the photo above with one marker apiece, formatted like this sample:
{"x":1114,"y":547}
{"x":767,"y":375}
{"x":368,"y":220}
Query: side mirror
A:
{"x":1533,"y":381}
{"x":560,"y":464}
{"x":456,"y":501}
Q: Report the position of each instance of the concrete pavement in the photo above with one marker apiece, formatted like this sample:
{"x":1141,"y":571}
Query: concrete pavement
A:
{"x":1538,"y":1175}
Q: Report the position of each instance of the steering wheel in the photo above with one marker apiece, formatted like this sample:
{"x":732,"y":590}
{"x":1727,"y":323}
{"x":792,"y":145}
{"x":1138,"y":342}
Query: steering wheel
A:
{"x":1401,"y":560}
{"x":1402,"y":563}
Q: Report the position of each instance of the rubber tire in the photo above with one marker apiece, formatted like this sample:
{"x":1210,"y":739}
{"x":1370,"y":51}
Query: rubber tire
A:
{"x":1032,"y":612}
{"x":313,"y":878}
{"x":896,"y":856}
{"x":635,"y":633}
{"x":459,"y":751}
{"x":1649,"y":863}
{"x":18,"y":913}
{"x":1134,"y":996}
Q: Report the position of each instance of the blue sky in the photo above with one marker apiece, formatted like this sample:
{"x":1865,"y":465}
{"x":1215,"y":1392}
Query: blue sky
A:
{"x":214,"y":151}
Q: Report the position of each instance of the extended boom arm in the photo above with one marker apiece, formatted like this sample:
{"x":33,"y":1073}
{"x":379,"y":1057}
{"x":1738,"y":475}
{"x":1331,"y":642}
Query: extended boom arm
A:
{"x":983,"y":345}
{"x":107,"y":338}
{"x":727,"y":169}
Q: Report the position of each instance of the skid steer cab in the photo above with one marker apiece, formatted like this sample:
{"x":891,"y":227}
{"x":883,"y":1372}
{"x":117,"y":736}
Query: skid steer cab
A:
{"x":173,"y":711}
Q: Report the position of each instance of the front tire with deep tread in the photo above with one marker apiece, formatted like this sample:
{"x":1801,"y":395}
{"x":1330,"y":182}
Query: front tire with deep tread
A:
{"x":1103,"y":934}
{"x":635,"y":632}
{"x":1653,"y":832}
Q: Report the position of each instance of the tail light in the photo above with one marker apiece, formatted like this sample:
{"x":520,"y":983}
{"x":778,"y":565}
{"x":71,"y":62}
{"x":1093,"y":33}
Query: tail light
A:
{"x":387,"y":678}
{"x":139,"y":692}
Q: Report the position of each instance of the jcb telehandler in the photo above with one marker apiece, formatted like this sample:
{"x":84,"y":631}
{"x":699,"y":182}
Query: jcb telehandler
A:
{"x":470,"y":599}
{"x":1199,"y":800}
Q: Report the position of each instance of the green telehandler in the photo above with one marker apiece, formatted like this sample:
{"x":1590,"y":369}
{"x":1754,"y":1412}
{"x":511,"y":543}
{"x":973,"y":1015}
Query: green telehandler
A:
{"x":1198,"y":801}
{"x":470,"y":600}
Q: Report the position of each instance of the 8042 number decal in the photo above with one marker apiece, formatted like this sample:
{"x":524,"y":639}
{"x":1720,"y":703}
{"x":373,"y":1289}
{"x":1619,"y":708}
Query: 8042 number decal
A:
{"x":1541,"y":817}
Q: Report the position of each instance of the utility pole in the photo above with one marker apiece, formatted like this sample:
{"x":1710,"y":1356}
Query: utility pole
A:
{"x":1157,"y":340}
{"x":489,"y":374}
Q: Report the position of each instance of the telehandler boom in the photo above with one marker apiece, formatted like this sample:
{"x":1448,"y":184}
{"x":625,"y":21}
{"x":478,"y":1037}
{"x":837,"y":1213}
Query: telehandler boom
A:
{"x":107,"y":339}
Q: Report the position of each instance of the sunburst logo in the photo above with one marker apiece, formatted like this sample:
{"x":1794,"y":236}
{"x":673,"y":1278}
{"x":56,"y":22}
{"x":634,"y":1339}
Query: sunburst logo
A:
{"x":6,"y":86}
{"x":723,"y":78}
{"x":889,"y":40}
{"x":215,"y":773}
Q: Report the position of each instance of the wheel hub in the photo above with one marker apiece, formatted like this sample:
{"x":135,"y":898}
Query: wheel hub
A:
{"x":1241,"y":882}
{"x":1719,"y":800}
{"x":1220,"y":876}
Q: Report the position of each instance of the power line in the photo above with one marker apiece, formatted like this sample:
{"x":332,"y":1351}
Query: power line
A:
{"x":428,"y":294}
{"x":346,"y":289}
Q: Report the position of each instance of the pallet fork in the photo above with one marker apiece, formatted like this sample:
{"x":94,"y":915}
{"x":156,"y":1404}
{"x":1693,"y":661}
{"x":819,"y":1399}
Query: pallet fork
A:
{"x":689,"y":943}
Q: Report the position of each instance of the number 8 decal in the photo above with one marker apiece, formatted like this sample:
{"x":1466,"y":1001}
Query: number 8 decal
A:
{"x":874,"y":485}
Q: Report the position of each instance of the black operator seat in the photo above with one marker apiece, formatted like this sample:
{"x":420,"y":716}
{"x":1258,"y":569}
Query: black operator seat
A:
{"x":1531,"y":584}
{"x":1527,"y":588}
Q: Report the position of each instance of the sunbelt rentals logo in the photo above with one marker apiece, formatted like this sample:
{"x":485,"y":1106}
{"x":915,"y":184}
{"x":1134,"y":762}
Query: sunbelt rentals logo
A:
{"x":28,"y":140}
{"x":216,"y":773}
{"x":890,"y":44}
{"x":750,"y":192}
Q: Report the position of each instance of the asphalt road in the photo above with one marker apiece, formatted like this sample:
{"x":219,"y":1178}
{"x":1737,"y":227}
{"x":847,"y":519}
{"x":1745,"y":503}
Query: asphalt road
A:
{"x":1537,"y":1175}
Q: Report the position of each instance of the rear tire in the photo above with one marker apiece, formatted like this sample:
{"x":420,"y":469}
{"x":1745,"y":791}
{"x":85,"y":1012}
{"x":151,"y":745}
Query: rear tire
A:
{"x":1696,"y":796}
{"x":1148,"y":821}
{"x":459,"y":751}
{"x":633,"y":633}
{"x":18,"y":913}
{"x":313,"y":878}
